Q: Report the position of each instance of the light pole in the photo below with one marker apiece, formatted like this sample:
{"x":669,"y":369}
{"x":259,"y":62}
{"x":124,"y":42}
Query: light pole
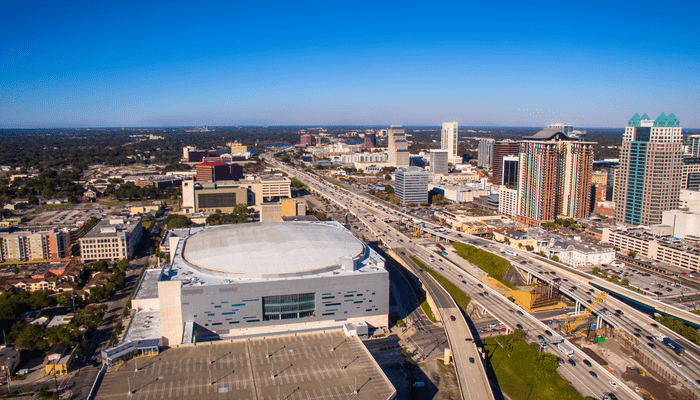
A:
{"x":128,"y":381}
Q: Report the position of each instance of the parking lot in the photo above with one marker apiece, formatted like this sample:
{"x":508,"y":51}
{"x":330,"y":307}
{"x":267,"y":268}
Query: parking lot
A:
{"x":650,"y":283}
{"x":301,"y":366}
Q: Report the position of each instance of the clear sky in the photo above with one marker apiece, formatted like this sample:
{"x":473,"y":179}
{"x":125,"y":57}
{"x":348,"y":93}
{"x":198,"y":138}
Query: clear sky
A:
{"x":151,"y":63}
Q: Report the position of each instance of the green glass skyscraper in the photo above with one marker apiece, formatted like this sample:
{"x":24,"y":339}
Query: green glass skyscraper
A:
{"x":648,"y":181}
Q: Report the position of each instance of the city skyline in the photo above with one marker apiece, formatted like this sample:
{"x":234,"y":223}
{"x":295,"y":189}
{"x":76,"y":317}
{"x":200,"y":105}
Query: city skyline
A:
{"x":168,"y":64}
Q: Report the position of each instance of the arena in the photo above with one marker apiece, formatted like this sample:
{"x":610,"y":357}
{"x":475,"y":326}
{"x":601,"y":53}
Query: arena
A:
{"x":230,"y":280}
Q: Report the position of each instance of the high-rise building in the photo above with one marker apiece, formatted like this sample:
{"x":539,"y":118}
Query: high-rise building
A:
{"x":690,"y":173}
{"x":213,"y":171}
{"x":439,"y":160}
{"x":485,"y":152}
{"x":694,"y":145}
{"x":649,"y":176}
{"x":398,"y":146}
{"x":449,"y":141}
{"x":411,"y":185}
{"x":510,"y":171}
{"x":502,"y":149}
{"x":554,"y":178}
{"x":306,"y":140}
{"x":370,"y":141}
{"x":564,"y":127}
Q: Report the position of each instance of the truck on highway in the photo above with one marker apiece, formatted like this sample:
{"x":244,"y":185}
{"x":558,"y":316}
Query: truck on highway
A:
{"x":675,"y":346}
{"x":565,"y":349}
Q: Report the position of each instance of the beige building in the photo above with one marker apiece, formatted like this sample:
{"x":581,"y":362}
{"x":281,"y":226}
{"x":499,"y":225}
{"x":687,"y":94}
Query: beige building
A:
{"x":113,"y":239}
{"x":225,"y":195}
{"x":599,"y":178}
{"x":398,"y":147}
{"x":134,"y":210}
{"x":53,"y":244}
{"x":237,"y":148}
{"x":671,"y":251}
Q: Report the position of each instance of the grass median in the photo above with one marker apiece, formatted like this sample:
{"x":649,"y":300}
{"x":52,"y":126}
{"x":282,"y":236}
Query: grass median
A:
{"x":523,"y":372}
{"x":460,"y":297}
{"x":492,"y":264}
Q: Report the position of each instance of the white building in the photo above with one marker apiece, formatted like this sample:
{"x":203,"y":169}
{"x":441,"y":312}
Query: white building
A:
{"x":449,"y":141}
{"x":458,"y":193}
{"x":683,"y":223}
{"x":689,"y":200}
{"x":411,"y":185}
{"x":363,"y":158}
{"x":508,"y":201}
{"x":113,"y":239}
{"x":575,"y":252}
{"x":263,"y":277}
{"x":439,"y":160}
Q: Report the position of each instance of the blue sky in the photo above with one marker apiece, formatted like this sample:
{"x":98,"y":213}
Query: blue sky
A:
{"x":124,"y":63}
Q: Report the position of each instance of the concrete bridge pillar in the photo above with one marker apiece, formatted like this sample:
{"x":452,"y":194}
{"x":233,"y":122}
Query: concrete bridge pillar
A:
{"x":529,"y":278}
{"x":578,"y":307}
{"x":598,"y":321}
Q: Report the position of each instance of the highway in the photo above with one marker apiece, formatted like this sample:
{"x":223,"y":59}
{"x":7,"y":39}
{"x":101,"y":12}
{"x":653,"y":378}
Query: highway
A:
{"x":471,"y":377}
{"x":631,"y":321}
{"x":593,"y":380}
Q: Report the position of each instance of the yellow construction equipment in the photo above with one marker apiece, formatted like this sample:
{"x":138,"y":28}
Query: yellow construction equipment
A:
{"x":570,"y":327}
{"x":417,"y":232}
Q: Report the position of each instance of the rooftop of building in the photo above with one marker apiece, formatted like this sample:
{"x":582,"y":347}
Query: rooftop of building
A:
{"x":266,"y":251}
{"x":580,"y":243}
{"x":689,"y":245}
{"x":112,"y":226}
{"x":271,"y":248}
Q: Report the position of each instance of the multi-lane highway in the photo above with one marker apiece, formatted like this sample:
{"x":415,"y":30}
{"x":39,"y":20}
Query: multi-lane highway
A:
{"x":471,"y":377}
{"x":588,"y":377}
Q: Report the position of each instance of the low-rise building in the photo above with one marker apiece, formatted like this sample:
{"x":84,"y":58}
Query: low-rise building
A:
{"x":674,"y":252}
{"x":114,"y":238}
{"x":515,"y":237}
{"x":53,"y":244}
{"x":683,"y":224}
{"x":458,"y":193}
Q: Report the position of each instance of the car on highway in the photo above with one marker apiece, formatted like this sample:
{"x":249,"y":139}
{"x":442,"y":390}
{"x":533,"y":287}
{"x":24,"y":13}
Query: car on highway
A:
{"x":548,"y":333}
{"x":613,"y":384}
{"x":572,"y":362}
{"x":655,"y":326}
{"x":518,"y":326}
{"x":520,"y":312}
{"x":540,"y":337}
{"x":593,"y":374}
{"x":452,"y":318}
{"x":464,"y":282}
{"x":588,"y":363}
{"x":612,"y":396}
{"x":560,"y":361}
{"x":471,"y":360}
{"x":678,"y":364}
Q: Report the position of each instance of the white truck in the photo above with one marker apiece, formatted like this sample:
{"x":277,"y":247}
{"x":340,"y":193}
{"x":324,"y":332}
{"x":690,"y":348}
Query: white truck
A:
{"x":565,"y":349}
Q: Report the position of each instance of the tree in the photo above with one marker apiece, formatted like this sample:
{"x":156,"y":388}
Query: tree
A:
{"x":614,"y":278}
{"x":555,"y":258}
{"x":632,"y":254}
{"x":175,"y":221}
{"x":529,"y":248}
{"x":388,"y":189}
{"x":595,"y":271}
{"x":625,"y":282}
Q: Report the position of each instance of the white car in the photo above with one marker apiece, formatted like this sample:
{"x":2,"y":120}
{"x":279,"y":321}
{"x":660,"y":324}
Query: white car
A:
{"x":678,"y":364}
{"x":613,"y":384}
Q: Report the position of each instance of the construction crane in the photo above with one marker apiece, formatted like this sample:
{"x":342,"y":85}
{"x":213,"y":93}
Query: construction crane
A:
{"x":570,"y":327}
{"x":418,"y":231}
